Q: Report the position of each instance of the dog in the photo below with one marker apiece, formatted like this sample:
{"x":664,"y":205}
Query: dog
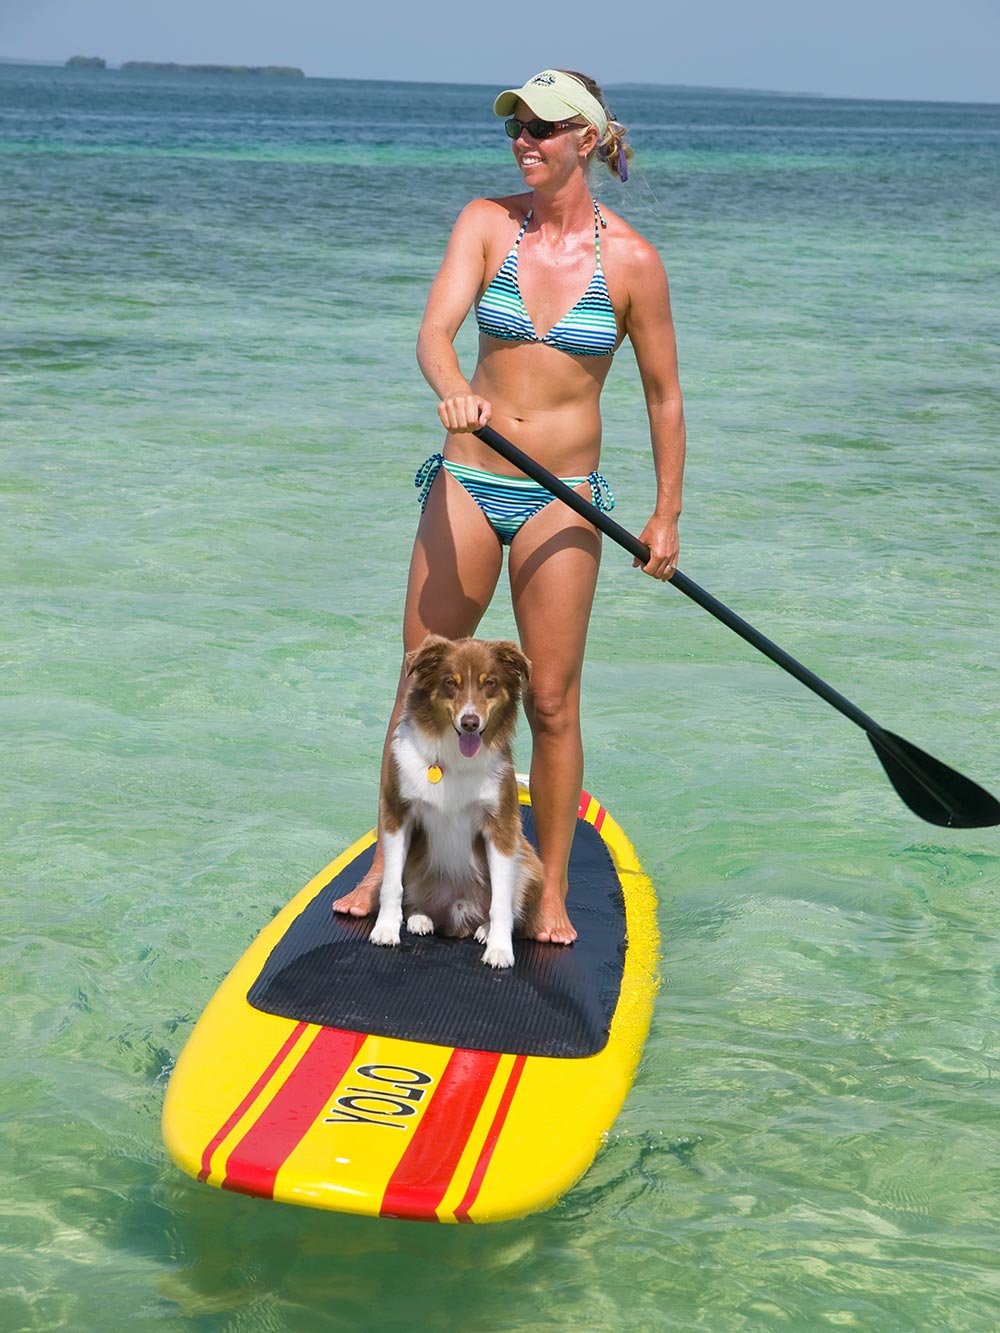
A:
{"x":456,"y":858}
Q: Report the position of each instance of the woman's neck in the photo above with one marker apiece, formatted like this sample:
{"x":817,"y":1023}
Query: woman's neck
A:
{"x":566,"y":209}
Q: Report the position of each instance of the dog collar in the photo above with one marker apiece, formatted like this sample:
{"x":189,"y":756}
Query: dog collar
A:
{"x":435,"y":773}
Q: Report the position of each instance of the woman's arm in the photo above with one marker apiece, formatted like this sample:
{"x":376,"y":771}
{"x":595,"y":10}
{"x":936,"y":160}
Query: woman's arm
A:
{"x":452,"y":293}
{"x":650,"y":329}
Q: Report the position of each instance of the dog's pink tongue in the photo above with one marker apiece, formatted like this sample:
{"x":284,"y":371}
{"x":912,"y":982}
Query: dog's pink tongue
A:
{"x":469,"y":743}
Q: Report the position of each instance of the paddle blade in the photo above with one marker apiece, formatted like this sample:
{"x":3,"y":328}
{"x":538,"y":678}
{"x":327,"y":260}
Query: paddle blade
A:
{"x":931,"y":789}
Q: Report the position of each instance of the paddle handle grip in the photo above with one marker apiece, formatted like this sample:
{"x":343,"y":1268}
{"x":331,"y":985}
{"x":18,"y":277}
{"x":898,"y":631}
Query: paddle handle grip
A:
{"x":640,"y":551}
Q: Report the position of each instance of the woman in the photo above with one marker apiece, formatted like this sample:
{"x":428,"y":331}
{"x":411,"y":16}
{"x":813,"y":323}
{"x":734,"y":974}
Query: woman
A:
{"x":544,"y":353}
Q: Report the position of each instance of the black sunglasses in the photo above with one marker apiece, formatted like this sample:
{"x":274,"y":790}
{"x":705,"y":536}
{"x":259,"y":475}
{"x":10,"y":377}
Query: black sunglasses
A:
{"x":538,"y":129}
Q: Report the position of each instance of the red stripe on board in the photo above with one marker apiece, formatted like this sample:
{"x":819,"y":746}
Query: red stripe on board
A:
{"x":585,"y":800}
{"x":426,"y":1168}
{"x":479,"y":1171}
{"x":247,"y":1102}
{"x":279,"y":1129}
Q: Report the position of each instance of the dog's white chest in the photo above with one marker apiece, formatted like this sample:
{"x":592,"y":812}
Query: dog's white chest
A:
{"x":448,"y":784}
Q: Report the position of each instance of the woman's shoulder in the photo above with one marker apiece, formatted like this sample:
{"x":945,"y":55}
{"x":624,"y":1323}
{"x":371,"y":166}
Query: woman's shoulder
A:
{"x":630,"y":247}
{"x":489,"y":213}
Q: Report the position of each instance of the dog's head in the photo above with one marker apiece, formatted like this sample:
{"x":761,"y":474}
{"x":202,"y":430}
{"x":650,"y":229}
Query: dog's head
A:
{"x":470,"y":685}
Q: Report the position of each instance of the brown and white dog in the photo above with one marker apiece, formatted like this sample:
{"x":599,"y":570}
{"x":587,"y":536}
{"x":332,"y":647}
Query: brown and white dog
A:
{"x":456,"y":859}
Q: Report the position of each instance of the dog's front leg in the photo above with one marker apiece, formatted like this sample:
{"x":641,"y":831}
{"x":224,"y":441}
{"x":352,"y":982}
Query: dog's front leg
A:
{"x":500,"y":932}
{"x":390,"y":906}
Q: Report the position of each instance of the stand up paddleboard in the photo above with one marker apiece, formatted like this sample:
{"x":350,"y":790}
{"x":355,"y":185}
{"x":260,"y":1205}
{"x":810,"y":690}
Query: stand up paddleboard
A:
{"x":416,"y":1082}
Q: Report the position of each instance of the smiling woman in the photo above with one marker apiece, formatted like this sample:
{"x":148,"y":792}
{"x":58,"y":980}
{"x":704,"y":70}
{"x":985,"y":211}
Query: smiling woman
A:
{"x":558,"y":282}
{"x":558,"y":85}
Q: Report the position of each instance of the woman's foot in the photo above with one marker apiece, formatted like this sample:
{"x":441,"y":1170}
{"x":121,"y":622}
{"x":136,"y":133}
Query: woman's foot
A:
{"x":554,"y":925}
{"x":363,"y":898}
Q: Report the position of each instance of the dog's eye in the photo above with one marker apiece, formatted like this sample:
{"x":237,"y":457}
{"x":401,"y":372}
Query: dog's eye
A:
{"x":452,"y":685}
{"x":489,"y":684}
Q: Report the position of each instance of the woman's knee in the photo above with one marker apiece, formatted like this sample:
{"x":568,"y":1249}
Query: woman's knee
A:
{"x":553,"y":711}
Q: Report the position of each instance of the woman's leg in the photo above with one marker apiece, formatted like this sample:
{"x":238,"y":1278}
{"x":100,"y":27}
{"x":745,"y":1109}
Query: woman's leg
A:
{"x":454,"y":568}
{"x":554,"y":562}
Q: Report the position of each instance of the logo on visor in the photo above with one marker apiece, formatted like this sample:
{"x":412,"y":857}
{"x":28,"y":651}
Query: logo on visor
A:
{"x":544,"y":79}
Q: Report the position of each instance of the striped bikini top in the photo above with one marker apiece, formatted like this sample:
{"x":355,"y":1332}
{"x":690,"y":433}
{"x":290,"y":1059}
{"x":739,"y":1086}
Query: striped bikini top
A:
{"x":589,"y":329}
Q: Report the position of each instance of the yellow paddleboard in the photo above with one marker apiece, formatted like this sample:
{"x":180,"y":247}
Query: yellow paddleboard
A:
{"x":416,"y":1082}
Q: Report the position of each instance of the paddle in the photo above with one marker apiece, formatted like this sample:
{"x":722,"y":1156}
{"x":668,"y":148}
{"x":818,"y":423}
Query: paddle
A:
{"x":931,"y":789}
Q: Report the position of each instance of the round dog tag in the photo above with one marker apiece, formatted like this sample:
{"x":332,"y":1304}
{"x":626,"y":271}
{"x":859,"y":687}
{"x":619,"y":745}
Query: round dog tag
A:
{"x":435,"y":773}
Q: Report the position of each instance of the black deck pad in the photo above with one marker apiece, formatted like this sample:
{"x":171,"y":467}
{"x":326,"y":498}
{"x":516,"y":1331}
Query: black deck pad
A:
{"x":555,"y":1000}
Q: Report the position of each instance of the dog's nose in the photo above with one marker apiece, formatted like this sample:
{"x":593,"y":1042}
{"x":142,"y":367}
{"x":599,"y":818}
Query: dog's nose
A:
{"x":470,"y":721}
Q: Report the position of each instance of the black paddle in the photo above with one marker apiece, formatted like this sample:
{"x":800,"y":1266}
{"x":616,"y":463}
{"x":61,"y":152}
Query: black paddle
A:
{"x":931,"y":789}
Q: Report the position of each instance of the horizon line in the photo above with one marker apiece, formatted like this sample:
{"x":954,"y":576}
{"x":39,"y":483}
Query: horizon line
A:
{"x":636,"y":84}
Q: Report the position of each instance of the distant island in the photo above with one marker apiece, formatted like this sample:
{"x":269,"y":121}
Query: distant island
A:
{"x":170,"y":67}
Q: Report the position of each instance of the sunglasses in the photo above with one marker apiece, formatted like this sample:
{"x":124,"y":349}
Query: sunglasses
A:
{"x":538,"y":129}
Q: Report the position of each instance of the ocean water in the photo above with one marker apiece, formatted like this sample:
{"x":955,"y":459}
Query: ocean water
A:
{"x":211,"y":416}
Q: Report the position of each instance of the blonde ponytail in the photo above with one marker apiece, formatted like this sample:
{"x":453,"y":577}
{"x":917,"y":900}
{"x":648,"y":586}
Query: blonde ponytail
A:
{"x":614,"y":151}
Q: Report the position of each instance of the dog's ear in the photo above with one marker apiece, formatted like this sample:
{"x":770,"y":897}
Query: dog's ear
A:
{"x":429,"y":655}
{"x":513,"y":661}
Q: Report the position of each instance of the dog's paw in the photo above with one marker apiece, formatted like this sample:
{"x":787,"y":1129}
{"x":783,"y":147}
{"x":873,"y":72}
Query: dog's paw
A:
{"x":482,"y":934}
{"x":384,"y":932}
{"x":499,"y":955}
{"x":419,"y":924}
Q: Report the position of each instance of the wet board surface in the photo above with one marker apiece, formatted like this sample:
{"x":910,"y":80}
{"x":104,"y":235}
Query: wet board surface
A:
{"x":417,"y":1082}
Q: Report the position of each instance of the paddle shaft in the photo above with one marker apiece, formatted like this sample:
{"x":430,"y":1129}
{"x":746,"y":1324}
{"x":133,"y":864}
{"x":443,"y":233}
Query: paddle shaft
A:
{"x":640,"y":551}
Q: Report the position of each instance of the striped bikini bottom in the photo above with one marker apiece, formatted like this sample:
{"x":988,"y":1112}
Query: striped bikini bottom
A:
{"x":507,"y":502}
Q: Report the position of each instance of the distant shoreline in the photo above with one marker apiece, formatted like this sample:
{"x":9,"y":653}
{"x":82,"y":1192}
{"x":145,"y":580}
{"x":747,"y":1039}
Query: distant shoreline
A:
{"x":964,"y":102}
{"x":172,"y":67}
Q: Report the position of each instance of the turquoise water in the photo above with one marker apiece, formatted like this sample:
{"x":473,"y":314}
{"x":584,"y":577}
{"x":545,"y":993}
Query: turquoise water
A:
{"x":211,"y":418}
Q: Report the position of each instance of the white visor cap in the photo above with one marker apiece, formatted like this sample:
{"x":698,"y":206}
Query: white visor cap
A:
{"x":554,"y":95}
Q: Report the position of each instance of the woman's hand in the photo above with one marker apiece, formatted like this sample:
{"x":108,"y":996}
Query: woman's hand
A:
{"x":464,"y":412}
{"x":660,"y":535}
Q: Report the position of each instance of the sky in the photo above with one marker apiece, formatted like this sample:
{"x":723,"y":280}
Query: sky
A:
{"x":938,"y":50}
